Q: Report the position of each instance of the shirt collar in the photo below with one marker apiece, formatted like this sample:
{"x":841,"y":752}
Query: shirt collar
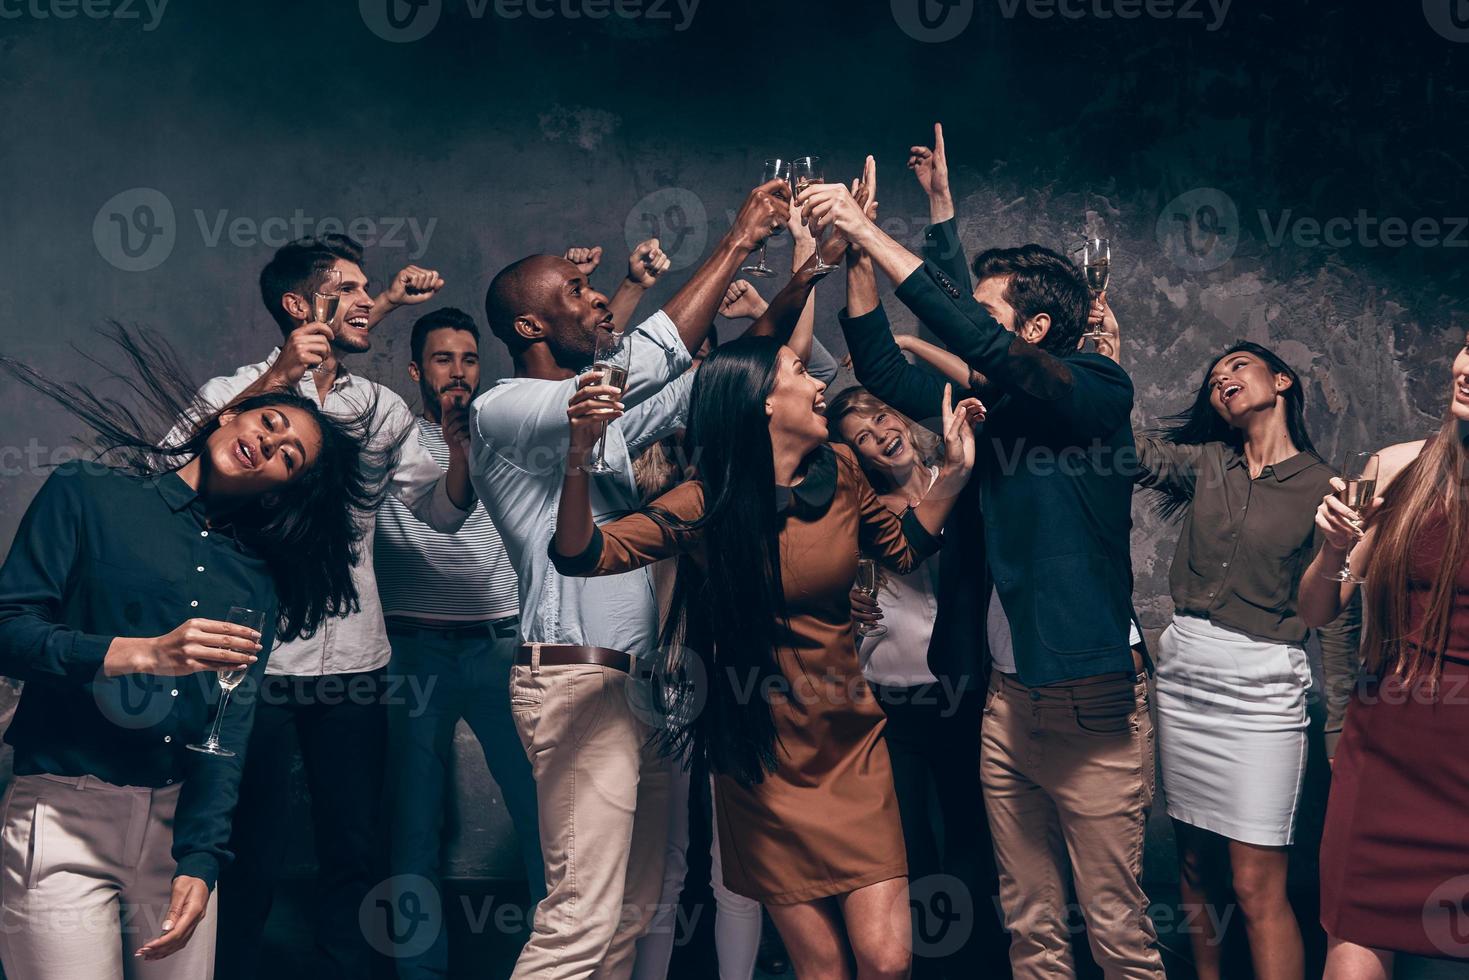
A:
{"x":174,"y":491}
{"x":1281,"y":471}
{"x":813,"y":494}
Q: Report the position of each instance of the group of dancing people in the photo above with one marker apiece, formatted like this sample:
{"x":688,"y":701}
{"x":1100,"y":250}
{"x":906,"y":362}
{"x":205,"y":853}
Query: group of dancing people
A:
{"x":617,"y":582}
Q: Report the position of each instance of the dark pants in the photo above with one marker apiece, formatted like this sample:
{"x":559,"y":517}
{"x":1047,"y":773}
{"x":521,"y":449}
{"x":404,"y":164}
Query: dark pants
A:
{"x":445,"y":678}
{"x":339,"y":723}
{"x":933,"y":740}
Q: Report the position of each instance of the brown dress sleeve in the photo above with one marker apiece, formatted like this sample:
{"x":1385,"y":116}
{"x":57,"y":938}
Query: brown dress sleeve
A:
{"x":899,"y":543}
{"x":640,"y":538}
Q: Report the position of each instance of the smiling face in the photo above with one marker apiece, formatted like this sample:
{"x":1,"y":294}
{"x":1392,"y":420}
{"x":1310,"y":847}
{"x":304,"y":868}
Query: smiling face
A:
{"x":882,"y":442}
{"x":795,"y":403}
{"x":1459,"y":401}
{"x":450,"y":366}
{"x":259,"y":450}
{"x":349,"y":326}
{"x":1242,"y":383}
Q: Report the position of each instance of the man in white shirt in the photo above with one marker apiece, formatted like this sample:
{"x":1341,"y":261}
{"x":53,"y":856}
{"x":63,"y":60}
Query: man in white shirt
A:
{"x":602,"y":791}
{"x":325,"y":693}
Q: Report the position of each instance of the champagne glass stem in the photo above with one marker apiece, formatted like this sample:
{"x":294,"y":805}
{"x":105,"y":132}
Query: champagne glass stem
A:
{"x":602,"y":447}
{"x":224,"y":700}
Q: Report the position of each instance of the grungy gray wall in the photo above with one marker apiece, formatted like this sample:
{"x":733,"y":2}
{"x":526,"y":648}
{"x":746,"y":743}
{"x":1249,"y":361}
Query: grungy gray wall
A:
{"x":155,"y":156}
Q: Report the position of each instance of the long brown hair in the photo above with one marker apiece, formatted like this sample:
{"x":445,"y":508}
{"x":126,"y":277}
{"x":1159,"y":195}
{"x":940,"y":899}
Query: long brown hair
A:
{"x":1430,"y":488}
{"x":860,"y":401}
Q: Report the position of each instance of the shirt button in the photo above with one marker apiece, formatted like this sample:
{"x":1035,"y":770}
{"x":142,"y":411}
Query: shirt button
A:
{"x":199,"y":569}
{"x":1226,"y":565}
{"x":168,"y":782}
{"x":174,"y":693}
{"x":168,"y":738}
{"x":196,"y":601}
{"x":203,"y":534}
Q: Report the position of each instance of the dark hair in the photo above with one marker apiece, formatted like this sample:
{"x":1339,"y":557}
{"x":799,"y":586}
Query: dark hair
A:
{"x":1040,"y":281}
{"x":308,"y":531}
{"x":732,"y":614}
{"x":1201,"y":424}
{"x":297,"y":266}
{"x":450,"y":318}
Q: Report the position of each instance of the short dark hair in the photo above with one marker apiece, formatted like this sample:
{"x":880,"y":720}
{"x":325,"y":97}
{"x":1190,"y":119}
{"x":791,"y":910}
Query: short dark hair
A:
{"x":297,"y":266}
{"x":506,"y":299}
{"x":1041,"y":281}
{"x":448,"y":318}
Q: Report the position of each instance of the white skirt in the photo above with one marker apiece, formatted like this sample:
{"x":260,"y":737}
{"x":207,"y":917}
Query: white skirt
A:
{"x":1232,"y":730}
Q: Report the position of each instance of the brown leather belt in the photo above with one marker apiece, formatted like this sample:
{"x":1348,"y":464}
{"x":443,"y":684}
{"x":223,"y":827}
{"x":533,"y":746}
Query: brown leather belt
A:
{"x":566,"y":655}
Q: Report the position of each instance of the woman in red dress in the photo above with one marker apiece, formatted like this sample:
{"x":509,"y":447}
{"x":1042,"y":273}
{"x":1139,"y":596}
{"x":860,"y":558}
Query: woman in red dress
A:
{"x":1395,"y":852}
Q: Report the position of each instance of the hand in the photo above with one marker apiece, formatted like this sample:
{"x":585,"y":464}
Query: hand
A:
{"x":586,"y":260}
{"x":306,"y":348}
{"x":864,"y":607}
{"x":742,"y":302}
{"x":973,"y":410}
{"x":931,"y":166}
{"x":1102,"y":318}
{"x":194,"y":645}
{"x":186,"y":907}
{"x":592,"y":408}
{"x":1341,"y":526}
{"x":646,"y":263}
{"x":959,"y":449}
{"x":454,"y":420}
{"x":413,"y":285}
{"x":765,"y":209}
{"x":832,"y":206}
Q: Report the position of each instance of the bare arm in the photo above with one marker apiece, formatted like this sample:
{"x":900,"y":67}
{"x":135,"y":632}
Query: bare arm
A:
{"x":412,"y":285}
{"x":946,"y":364}
{"x":646,"y":263}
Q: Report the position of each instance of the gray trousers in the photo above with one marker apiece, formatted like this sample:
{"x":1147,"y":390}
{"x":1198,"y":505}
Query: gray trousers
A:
{"x":86,"y":875}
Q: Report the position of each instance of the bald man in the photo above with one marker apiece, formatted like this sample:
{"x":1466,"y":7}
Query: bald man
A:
{"x":602,"y":792}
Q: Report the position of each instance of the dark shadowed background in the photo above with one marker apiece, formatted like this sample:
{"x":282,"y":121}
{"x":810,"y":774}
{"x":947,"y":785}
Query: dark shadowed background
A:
{"x":1288,"y":172}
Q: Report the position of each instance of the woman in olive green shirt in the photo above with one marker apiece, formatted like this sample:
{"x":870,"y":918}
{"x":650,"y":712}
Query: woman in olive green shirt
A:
{"x":1233,"y":677}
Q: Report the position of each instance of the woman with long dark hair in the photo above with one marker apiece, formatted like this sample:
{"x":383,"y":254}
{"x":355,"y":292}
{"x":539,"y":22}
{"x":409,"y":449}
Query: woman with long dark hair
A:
{"x":1395,"y":851}
{"x":114,"y":612}
{"x":767,"y":538}
{"x":1239,"y":468}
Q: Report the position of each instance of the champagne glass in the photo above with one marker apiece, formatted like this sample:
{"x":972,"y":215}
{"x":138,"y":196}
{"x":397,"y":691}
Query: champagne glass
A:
{"x":775,"y":169}
{"x":1359,"y":473}
{"x":230,"y":679}
{"x":867,"y":585}
{"x":1096,"y":261}
{"x":806,"y":171}
{"x":325,"y":299}
{"x":612,"y":358}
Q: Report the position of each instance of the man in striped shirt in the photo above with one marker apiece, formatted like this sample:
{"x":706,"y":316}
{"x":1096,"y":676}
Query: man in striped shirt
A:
{"x":451,"y":604}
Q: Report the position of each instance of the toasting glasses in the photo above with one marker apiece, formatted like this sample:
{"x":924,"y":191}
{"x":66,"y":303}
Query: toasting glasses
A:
{"x":1096,"y":261}
{"x":325,"y":299}
{"x":1359,"y":473}
{"x":612,"y":358}
{"x":775,"y":169}
{"x":230,"y":679}
{"x":806,"y":171}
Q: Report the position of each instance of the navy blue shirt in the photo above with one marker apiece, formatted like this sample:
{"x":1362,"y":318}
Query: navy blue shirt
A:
{"x":101,"y":554}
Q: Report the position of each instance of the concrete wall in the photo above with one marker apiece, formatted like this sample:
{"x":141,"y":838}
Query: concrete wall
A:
{"x":1196,"y":140}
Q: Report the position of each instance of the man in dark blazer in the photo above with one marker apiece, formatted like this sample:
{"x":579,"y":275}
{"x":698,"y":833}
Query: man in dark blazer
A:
{"x":1066,"y":754}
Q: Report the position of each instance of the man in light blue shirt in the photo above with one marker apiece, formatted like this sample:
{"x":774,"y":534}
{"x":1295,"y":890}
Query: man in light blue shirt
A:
{"x":602,"y":792}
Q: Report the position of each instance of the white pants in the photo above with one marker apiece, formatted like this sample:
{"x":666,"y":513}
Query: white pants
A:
{"x":86,"y":877}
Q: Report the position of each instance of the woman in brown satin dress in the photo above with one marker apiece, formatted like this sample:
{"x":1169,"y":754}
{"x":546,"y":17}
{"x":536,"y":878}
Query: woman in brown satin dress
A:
{"x":1395,"y":852}
{"x":767,"y":538}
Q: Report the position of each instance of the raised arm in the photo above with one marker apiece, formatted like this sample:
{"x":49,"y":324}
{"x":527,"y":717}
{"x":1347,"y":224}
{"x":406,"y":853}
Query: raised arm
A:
{"x":692,"y":308}
{"x":644,"y":265}
{"x":411,"y":286}
{"x":941,"y":244}
{"x":876,"y":359}
{"x":940,"y":360}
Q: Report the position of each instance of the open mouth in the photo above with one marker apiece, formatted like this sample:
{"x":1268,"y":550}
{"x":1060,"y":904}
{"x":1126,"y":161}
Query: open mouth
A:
{"x":1461,"y":390}
{"x":247,"y":455}
{"x":1229,"y":391}
{"x":893,"y":448}
{"x":819,"y":405}
{"x":357,"y":321}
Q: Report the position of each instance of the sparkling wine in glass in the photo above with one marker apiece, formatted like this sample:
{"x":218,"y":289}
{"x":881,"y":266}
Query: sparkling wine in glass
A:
{"x":775,"y":169}
{"x":867,"y":585}
{"x":326,"y":298}
{"x":806,"y":171}
{"x":230,"y":679}
{"x":1359,"y":473}
{"x":612,"y":358}
{"x":1096,"y":263}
